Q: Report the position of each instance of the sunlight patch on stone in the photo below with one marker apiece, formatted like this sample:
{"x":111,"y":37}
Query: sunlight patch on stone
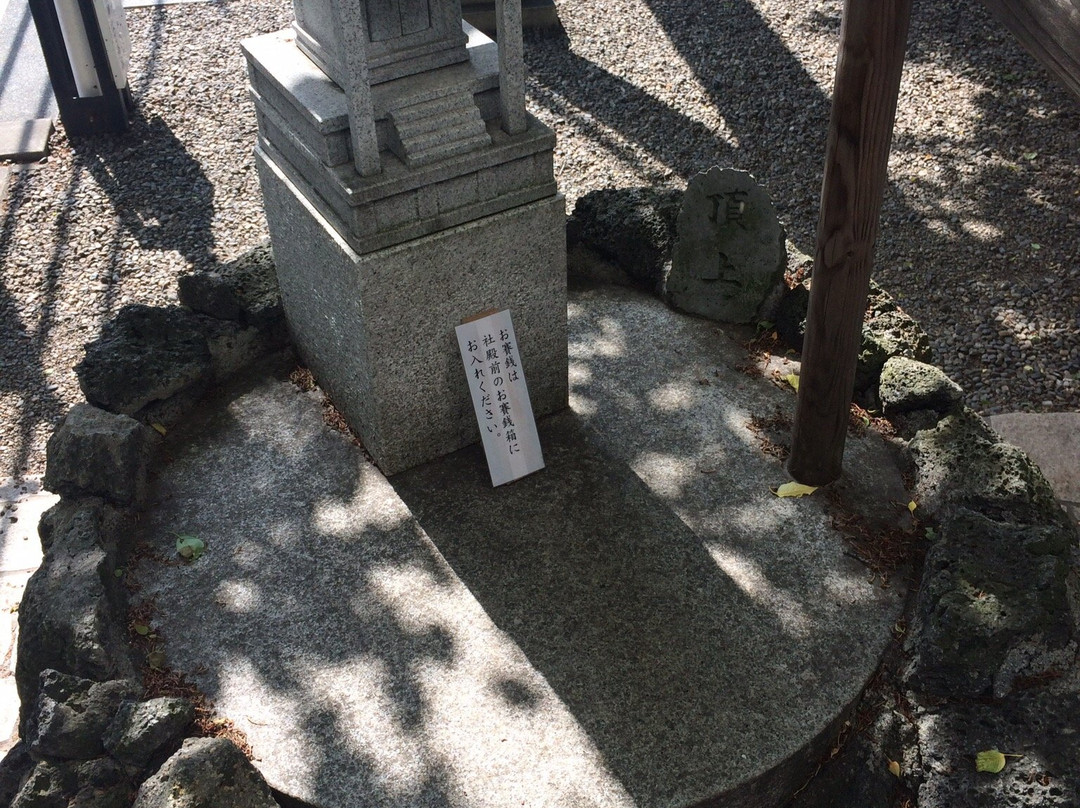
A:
{"x":369,"y":507}
{"x":237,"y":596}
{"x":610,"y":342}
{"x":673,"y":397}
{"x":752,"y":580}
{"x":666,"y":474}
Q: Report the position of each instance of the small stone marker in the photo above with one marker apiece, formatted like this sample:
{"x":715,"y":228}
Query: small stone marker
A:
{"x":500,"y":396}
{"x":729,"y":250}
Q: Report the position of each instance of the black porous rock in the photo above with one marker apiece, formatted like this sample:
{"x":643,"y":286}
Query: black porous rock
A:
{"x":909,"y":424}
{"x":245,"y":290}
{"x":209,"y":293}
{"x":141,"y":730}
{"x":887,"y":331}
{"x":790,"y":315}
{"x":99,"y":453}
{"x":1038,"y":725}
{"x":634,"y":228}
{"x":70,"y":715}
{"x":99,"y":783}
{"x":70,"y":615}
{"x":234,"y":346}
{"x":206,"y":773}
{"x":49,"y":785}
{"x":15,"y":767}
{"x":988,"y":587}
{"x":961,"y":462}
{"x":102,"y":783}
{"x":145,"y":354}
{"x":907,"y":385}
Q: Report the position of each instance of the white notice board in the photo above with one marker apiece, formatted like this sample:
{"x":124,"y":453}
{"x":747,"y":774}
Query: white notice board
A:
{"x":489,"y":351}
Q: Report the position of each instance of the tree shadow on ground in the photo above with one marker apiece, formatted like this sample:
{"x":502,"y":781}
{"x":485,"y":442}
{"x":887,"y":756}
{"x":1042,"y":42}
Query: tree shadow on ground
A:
{"x":579,"y":633}
{"x":978,"y":185}
{"x":23,"y":372}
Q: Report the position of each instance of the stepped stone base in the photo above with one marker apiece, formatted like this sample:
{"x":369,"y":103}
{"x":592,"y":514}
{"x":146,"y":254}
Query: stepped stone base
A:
{"x":445,"y":159}
{"x":378,"y":329}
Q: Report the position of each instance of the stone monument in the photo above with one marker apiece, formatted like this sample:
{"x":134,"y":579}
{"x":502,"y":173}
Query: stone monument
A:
{"x":407,"y":189}
{"x":729,"y":252}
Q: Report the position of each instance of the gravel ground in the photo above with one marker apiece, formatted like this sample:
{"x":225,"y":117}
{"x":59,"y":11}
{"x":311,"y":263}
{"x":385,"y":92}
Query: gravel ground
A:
{"x":980,"y":236}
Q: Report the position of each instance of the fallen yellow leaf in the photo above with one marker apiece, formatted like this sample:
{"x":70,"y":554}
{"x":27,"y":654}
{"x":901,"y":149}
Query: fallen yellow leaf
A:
{"x":894,"y":768}
{"x":159,"y":427}
{"x":989,"y":761}
{"x":911,"y":506}
{"x":794,"y":490}
{"x":793,"y":380}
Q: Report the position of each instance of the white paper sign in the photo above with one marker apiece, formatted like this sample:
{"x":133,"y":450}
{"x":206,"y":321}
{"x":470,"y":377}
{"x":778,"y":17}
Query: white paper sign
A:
{"x":500,"y":397}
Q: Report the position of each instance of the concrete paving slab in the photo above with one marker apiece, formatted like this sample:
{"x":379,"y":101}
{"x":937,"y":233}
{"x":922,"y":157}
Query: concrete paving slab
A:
{"x":25,"y":89}
{"x":1052,"y":439}
{"x":25,"y":141}
{"x":22,"y":502}
{"x":643,"y":623}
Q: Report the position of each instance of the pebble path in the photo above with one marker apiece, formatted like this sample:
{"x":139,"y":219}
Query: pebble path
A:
{"x":980,"y":235}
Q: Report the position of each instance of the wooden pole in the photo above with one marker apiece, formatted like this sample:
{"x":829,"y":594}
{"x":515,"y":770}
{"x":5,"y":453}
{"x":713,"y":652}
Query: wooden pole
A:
{"x":873,"y":36}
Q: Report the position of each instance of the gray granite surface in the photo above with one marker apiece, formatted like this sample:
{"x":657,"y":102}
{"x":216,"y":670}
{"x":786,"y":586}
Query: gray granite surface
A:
{"x":377,"y":330}
{"x":643,"y":623}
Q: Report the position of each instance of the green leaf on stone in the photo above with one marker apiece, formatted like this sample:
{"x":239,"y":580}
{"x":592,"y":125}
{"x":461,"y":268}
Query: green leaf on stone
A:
{"x":119,"y":573}
{"x":142,"y":629}
{"x":1030,"y":155}
{"x":190,"y":547}
{"x":991,"y":761}
{"x":1035,"y":246}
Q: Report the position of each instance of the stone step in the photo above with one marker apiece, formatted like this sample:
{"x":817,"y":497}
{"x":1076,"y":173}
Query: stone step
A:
{"x":464,"y":131}
{"x":445,"y":150}
{"x":432,"y":107}
{"x":434,"y":130}
{"x":417,"y":129}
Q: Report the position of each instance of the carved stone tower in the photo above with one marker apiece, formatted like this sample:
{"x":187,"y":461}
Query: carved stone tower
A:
{"x":406,"y":189}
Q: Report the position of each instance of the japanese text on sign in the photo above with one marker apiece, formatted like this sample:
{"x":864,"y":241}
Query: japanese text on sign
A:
{"x":500,"y":397}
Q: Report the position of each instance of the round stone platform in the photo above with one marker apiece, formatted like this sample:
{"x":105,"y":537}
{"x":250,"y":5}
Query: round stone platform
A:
{"x":642,"y":623}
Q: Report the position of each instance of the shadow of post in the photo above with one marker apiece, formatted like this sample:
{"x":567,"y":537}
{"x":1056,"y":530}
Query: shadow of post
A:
{"x":157,"y":189}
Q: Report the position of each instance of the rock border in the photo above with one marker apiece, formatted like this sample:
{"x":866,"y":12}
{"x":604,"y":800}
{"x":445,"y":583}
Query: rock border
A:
{"x":88,"y":734}
{"x":985,"y":655}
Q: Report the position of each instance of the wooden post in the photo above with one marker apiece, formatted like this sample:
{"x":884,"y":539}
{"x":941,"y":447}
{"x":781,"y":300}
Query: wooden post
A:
{"x":1050,"y":30}
{"x":873,"y":36}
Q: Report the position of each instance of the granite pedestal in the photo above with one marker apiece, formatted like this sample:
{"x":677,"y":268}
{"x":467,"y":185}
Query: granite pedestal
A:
{"x":407,"y":189}
{"x":377,"y":329}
